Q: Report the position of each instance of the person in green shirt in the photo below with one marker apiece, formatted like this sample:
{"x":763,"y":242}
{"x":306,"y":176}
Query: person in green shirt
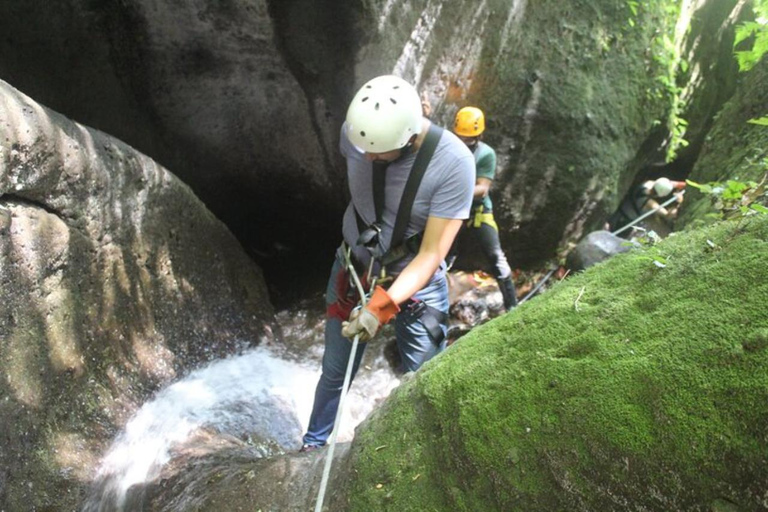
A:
{"x":469,"y":126}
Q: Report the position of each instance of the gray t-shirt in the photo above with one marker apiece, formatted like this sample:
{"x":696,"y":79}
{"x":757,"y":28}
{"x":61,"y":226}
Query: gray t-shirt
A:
{"x":445,"y":191}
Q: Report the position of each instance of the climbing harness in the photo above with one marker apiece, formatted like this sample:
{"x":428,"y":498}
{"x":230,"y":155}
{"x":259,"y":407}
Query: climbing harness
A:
{"x":345,"y":386}
{"x":399,"y":246}
{"x":481,"y":217}
{"x":430,"y":317}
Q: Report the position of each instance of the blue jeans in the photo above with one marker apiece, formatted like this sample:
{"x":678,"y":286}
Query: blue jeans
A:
{"x":413,"y":342}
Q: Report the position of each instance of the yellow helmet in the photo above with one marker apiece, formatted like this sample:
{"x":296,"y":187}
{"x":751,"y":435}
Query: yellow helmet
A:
{"x":470,"y":122}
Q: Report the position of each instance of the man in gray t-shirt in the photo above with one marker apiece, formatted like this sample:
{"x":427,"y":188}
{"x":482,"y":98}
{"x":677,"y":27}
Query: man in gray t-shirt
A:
{"x":385,"y":128}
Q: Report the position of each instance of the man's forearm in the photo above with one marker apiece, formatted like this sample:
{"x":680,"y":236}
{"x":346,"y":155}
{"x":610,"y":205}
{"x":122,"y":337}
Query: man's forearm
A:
{"x":480,"y":191}
{"x":414,"y":276}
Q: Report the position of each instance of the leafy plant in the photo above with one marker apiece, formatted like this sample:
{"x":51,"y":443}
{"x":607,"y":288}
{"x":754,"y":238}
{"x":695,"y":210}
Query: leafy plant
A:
{"x":632,"y":4}
{"x":666,"y":53}
{"x":736,"y":199}
{"x":758,"y":30}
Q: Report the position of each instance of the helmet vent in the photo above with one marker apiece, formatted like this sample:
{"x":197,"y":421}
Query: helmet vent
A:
{"x":364,"y":99}
{"x":396,"y":87}
{"x":377,"y":106}
{"x":362,"y":134}
{"x":393,"y":101}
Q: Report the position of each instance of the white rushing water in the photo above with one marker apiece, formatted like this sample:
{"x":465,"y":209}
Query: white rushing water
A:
{"x":257,"y":393}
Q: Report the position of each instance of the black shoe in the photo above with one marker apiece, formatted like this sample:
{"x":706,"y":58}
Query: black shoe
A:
{"x":309,"y":448}
{"x":507,"y":288}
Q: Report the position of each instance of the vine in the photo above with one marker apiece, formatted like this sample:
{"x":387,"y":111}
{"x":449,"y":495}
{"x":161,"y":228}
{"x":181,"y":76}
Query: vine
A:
{"x":666,"y":53}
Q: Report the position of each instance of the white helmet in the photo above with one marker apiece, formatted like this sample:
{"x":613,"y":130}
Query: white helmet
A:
{"x":662,"y":187}
{"x":384,"y":115}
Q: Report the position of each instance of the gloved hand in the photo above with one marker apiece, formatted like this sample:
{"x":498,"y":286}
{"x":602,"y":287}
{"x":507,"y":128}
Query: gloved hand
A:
{"x":367,"y":321}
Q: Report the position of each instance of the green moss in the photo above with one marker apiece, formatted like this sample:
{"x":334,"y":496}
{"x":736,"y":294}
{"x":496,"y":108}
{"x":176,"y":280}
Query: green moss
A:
{"x":627,"y":382}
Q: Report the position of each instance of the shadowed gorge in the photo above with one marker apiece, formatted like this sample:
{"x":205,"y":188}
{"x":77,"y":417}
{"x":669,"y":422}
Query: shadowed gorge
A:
{"x":171,"y":198}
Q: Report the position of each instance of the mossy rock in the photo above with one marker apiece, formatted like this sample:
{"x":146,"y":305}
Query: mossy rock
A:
{"x":735,"y":148}
{"x":630,"y":386}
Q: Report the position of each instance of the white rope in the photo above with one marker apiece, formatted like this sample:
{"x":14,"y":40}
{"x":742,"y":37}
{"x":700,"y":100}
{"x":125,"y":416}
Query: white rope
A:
{"x":344,"y":389}
{"x":647,"y":214}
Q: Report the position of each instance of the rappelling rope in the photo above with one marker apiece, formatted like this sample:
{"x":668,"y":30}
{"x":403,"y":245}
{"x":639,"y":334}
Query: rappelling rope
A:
{"x":647,"y":214}
{"x":345,"y":387}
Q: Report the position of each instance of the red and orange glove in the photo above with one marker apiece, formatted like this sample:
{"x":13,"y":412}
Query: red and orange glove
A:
{"x":347,"y":296}
{"x":367,"y":321}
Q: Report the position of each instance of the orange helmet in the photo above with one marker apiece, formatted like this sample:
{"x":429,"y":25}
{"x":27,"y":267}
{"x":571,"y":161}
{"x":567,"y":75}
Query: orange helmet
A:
{"x":470,"y":122}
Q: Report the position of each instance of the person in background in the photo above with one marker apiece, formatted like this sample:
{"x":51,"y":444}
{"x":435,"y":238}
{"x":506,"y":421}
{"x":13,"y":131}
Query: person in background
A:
{"x":647,"y":196}
{"x":386,"y":142}
{"x":481,"y":228}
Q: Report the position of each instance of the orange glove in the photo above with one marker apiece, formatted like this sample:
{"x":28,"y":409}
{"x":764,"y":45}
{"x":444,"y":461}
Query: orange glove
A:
{"x":366,"y":322}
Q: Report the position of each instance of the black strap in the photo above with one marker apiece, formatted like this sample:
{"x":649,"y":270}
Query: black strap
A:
{"x":379,"y":179}
{"x":431,"y":318}
{"x":379,"y":183}
{"x":397,"y":249}
{"x":418,"y":170}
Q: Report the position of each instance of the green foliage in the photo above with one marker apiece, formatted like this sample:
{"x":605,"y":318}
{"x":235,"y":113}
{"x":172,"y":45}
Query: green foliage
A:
{"x":736,"y":199}
{"x":762,"y":121}
{"x":666,"y":53}
{"x":758,"y":30}
{"x":632,"y":4}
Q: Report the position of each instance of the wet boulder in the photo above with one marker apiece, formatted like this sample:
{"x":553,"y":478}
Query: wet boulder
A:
{"x":115,"y":280}
{"x":594,"y":248}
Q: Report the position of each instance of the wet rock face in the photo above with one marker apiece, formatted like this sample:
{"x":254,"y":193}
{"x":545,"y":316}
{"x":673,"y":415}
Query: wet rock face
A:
{"x":199,"y":86}
{"x":243,"y":100}
{"x":115,"y":279}
{"x":712,"y":74}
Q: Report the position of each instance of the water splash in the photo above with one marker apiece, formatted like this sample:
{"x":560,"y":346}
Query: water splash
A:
{"x":258,"y":393}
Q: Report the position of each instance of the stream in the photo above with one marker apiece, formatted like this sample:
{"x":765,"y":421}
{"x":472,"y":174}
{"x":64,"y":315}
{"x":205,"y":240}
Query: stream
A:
{"x":258,"y":401}
{"x":262,"y":397}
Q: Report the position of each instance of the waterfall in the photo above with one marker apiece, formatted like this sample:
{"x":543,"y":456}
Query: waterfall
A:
{"x":259,"y":393}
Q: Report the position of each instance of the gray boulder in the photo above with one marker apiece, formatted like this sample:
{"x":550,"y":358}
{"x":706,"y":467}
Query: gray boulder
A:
{"x":114,"y":280}
{"x":594,"y":248}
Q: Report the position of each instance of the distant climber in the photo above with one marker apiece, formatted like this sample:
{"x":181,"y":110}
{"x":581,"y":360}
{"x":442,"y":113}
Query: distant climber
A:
{"x":481,"y":229}
{"x":644,"y":198}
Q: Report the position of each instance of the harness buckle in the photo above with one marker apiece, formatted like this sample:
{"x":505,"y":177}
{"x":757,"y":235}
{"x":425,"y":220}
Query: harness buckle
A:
{"x":369,"y":238}
{"x":416,"y":308}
